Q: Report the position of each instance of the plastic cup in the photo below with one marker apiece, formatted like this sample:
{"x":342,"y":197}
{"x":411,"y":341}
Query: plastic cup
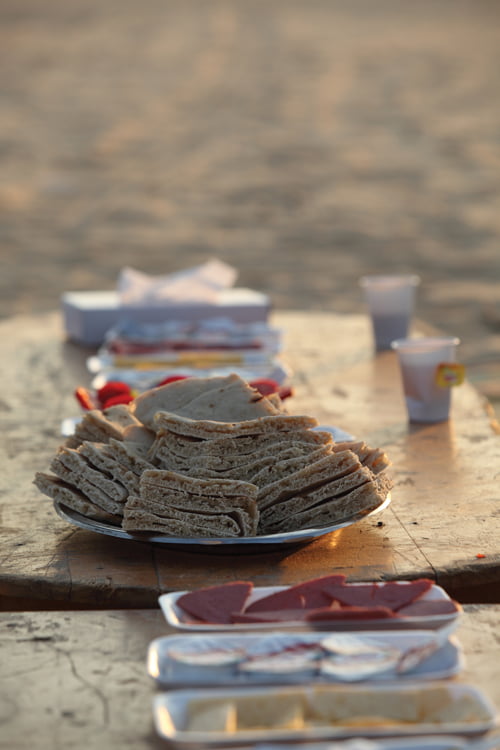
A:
{"x":427,"y":373}
{"x":391,"y":302}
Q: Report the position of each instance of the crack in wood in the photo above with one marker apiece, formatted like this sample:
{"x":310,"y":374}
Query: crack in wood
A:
{"x":414,"y":541}
{"x":86,"y":684}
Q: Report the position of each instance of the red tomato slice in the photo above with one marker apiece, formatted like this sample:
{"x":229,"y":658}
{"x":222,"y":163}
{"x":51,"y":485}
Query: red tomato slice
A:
{"x":266,"y":386}
{"x":171,"y":379}
{"x":111,"y":389}
{"x":84,"y":398}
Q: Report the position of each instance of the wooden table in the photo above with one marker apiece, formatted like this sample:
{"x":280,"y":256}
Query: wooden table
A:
{"x":78,"y":679}
{"x":443,"y":523}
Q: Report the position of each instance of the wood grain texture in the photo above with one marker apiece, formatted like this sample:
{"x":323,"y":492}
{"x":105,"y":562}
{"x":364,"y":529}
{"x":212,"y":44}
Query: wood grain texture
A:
{"x":445,"y":501}
{"x":75,"y":680}
{"x":78,"y":679}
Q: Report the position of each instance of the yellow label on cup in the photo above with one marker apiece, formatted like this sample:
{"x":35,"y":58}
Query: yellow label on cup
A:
{"x":449,"y":374}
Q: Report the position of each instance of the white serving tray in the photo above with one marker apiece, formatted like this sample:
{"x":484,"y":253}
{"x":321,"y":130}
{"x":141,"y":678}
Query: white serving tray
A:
{"x":430,"y":742}
{"x":171,"y":710}
{"x":177,"y":618}
{"x":228,"y":655}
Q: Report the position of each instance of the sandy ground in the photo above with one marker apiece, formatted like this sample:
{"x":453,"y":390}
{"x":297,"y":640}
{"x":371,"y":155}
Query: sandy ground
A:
{"x":304,"y":142}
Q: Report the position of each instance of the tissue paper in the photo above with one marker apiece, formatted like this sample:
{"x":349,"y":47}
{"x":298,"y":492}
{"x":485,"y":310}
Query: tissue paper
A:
{"x":199,"y":284}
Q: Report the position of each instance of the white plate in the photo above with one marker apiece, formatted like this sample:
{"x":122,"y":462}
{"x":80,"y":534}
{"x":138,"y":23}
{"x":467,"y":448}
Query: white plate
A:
{"x":443,"y":660}
{"x":338,"y":434}
{"x":239,"y":545}
{"x":177,"y":618}
{"x":244,"y":544}
{"x":171,"y":712}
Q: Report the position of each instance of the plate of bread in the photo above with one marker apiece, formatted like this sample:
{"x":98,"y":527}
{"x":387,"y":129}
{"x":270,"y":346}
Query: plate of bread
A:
{"x":212,"y":462}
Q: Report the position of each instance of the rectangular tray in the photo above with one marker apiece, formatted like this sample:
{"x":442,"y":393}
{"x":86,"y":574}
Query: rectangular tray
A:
{"x":438,"y":659}
{"x":459,"y":709}
{"x":431,"y":742}
{"x":176,"y":618}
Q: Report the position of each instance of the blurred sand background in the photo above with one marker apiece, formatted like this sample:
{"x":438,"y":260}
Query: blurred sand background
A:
{"x":304,"y":142}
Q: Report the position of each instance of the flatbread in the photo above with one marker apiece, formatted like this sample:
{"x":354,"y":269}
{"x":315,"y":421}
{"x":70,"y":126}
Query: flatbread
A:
{"x":100,"y":426}
{"x":75,"y":462}
{"x":212,"y":456}
{"x":307,"y":478}
{"x":171,"y":397}
{"x":283,"y":464}
{"x":272,"y":518}
{"x":224,"y":399}
{"x":157,"y":483}
{"x":360,"y":500}
{"x":209,"y":429}
{"x":81,"y":482}
{"x":127,"y":454}
{"x":118,"y":458}
{"x":240,"y":465}
{"x":120,"y":414}
{"x":98,"y":455}
{"x":375,"y":458}
{"x":72,"y":498}
{"x":141,"y":438}
{"x":220,"y":507}
{"x":242,"y":509}
{"x":192,"y":448}
{"x":269,"y":465}
{"x":178,"y":523}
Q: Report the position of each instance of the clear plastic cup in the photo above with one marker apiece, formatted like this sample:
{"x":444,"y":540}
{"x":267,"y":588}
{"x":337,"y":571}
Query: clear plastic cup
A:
{"x":427,"y":373}
{"x":391,"y":303}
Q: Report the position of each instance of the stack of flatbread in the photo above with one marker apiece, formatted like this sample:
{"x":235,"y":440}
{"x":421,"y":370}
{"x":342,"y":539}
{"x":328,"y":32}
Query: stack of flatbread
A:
{"x":212,"y":457}
{"x":95,"y":477}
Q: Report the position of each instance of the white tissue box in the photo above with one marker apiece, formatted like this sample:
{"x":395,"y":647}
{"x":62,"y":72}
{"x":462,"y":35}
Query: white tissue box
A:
{"x":89,"y":315}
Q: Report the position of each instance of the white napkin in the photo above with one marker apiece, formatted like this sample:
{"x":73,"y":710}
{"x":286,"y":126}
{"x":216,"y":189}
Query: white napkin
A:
{"x":199,"y":284}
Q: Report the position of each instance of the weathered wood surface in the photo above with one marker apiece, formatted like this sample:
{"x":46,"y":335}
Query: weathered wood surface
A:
{"x":445,"y":508}
{"x":78,"y":679}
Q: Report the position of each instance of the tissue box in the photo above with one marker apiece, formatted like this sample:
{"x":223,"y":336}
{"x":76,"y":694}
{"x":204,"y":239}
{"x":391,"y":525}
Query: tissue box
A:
{"x":89,"y":315}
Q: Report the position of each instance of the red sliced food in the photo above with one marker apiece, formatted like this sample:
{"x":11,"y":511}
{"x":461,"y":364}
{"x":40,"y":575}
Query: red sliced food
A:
{"x":391,"y":594}
{"x":349,"y":613}
{"x":215,"y":604}
{"x":319,"y":614}
{"x":304,"y":595}
{"x":265,"y":386}
{"x":314,"y":591}
{"x":84,"y":398}
{"x":120,"y":398}
{"x":396,"y":595}
{"x":278,"y":615}
{"x":171,"y":379}
{"x":358,"y":595}
{"x":285,"y":600}
{"x":425,"y":608}
{"x":111,"y":389}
